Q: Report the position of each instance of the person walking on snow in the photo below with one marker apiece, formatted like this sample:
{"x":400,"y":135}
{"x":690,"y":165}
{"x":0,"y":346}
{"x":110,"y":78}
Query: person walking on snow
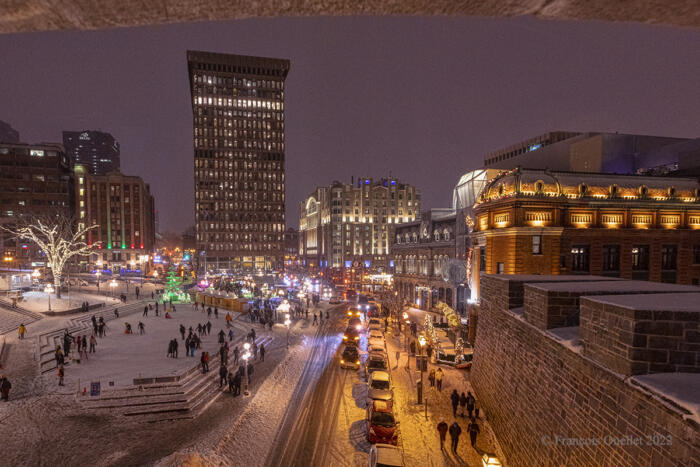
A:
{"x":228,"y":319}
{"x":145,"y":311}
{"x":315,"y":320}
{"x":455,"y":402}
{"x":216,"y":313}
{"x":438,"y":379}
{"x":455,"y":431}
{"x":431,"y":378}
{"x":262,"y":352}
{"x":442,"y":430}
{"x":235,"y":355}
{"x":182,"y":331}
{"x":223,"y":374}
{"x":471,"y":403}
{"x":21,"y":331}
{"x":208,"y":327}
{"x":473,"y":430}
{"x":255,"y":351}
{"x":61,"y":373}
{"x":93,"y":343}
{"x":230,"y":335}
{"x":462,"y":403}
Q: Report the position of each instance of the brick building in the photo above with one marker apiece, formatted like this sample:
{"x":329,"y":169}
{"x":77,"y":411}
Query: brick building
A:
{"x":291,"y":248}
{"x":123,"y":209}
{"x":541,"y":222}
{"x":35,"y":180}
{"x":351,"y":225}
{"x":619,"y":387}
{"x":239,"y":159}
{"x":421,"y":252}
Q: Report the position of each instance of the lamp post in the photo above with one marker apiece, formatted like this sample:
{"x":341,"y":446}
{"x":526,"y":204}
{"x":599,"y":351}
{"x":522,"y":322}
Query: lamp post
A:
{"x":405,"y":332}
{"x":49,"y":290}
{"x":98,"y":273}
{"x":287,"y":322}
{"x":246,"y":356}
{"x":421,"y":341}
{"x":112,"y":285}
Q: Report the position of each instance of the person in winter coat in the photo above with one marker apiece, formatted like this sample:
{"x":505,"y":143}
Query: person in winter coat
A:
{"x":228,"y":319}
{"x":230,"y":335}
{"x":471,"y":403}
{"x":208,"y":327}
{"x":315,"y":320}
{"x":61,"y":374}
{"x":250,"y":371}
{"x":175,"y":345}
{"x":473,"y":430}
{"x":223,"y":374}
{"x":455,"y":431}
{"x":222,"y":337}
{"x":145,"y":311}
{"x":413,"y":347}
{"x":5,"y":387}
{"x":21,"y":331}
{"x":463,"y":403}
{"x":442,"y":430}
{"x":237,"y":383}
{"x":431,"y":378}
{"x":235,"y":355}
{"x":93,"y":343}
{"x":205,"y":362}
{"x":455,"y":402}
{"x":182,"y":331}
{"x":216,"y":313}
{"x":188,"y":343}
{"x":255,"y":351}
{"x":438,"y":379}
{"x":262,"y":352}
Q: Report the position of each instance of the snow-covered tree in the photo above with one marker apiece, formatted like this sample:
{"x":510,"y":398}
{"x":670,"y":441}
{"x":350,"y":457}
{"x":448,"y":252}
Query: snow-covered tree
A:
{"x":58,"y":239}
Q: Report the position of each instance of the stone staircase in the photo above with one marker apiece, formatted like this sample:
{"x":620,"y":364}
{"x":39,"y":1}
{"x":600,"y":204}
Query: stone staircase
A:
{"x":186,"y":398}
{"x":11,"y":317}
{"x":48,"y":341}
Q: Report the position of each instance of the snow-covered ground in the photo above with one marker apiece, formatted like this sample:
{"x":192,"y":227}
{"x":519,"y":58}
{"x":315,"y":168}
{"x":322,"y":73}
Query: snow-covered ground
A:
{"x":120,"y":357}
{"x":38,"y":301}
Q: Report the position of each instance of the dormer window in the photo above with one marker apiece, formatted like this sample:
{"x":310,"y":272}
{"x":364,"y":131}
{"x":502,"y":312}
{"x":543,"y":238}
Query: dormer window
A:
{"x":436,"y":234}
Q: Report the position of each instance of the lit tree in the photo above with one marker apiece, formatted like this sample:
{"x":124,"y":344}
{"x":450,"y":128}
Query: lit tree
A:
{"x":58,"y":239}
{"x":174,"y":284}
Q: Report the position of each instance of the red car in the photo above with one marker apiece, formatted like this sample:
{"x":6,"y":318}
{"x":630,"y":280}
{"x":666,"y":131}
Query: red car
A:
{"x":382,"y":427}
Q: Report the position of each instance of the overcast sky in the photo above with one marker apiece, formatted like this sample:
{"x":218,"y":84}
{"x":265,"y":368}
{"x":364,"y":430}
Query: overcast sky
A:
{"x":420,"y":98}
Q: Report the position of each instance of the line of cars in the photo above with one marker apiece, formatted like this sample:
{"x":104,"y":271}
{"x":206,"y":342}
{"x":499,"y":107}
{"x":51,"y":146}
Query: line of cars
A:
{"x":382,"y":426}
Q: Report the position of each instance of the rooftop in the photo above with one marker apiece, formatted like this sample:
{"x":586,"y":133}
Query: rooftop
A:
{"x":625,"y":286}
{"x":654,"y":302}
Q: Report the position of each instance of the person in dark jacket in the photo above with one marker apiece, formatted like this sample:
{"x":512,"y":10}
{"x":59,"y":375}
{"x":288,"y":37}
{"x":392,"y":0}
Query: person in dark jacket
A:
{"x":463,"y":403}
{"x":5,"y":387}
{"x":471,"y":403}
{"x":455,"y":431}
{"x":223,"y":374}
{"x":175,"y":345}
{"x":182,"y":331}
{"x":222,"y":337}
{"x":455,"y":402}
{"x":262,"y":352}
{"x":442,"y":430}
{"x":473,"y":430}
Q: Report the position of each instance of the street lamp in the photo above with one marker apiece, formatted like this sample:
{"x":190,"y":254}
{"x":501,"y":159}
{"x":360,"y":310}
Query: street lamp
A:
{"x":49,"y":290}
{"x":98,"y":273}
{"x":421,"y":341}
{"x":287,"y":322}
{"x":246,"y":356}
{"x":112,"y":285}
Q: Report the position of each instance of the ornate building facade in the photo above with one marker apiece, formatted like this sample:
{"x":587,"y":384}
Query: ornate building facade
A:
{"x":541,"y":222}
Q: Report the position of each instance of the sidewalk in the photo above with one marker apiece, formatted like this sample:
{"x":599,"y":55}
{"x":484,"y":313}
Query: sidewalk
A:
{"x":419,"y":437}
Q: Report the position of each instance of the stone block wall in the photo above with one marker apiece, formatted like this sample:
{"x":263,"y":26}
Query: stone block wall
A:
{"x":547,"y":310}
{"x":634,"y":342}
{"x":550,"y":406}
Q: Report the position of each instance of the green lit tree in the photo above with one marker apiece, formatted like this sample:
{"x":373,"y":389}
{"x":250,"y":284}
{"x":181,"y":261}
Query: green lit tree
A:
{"x":174,"y":285}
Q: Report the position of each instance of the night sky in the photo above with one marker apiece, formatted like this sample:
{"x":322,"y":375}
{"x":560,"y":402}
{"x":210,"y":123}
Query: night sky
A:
{"x":420,"y":98}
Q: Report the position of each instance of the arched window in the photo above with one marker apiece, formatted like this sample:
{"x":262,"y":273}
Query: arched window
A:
{"x":446,"y":235}
{"x":415,"y":237}
{"x":398,"y":238}
{"x":436,"y":235}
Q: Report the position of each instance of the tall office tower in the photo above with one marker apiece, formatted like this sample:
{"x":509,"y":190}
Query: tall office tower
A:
{"x":95,"y":149}
{"x":8,"y":134}
{"x":238,"y":116}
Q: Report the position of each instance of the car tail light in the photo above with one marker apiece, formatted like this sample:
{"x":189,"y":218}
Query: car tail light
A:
{"x":357,"y":338}
{"x":358,"y":362}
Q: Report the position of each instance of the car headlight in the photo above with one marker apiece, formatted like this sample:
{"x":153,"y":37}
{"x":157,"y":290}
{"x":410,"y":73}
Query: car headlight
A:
{"x":357,"y":338}
{"x":342,"y":361}
{"x":358,"y":327}
{"x":357,"y":362}
{"x":345,"y":338}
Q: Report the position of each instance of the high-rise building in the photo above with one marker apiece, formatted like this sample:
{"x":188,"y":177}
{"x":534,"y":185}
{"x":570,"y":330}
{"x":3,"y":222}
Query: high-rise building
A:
{"x":351,"y":225}
{"x":8,"y":134}
{"x":238,"y":118}
{"x":122,"y":208}
{"x":95,"y":149}
{"x":35,"y":180}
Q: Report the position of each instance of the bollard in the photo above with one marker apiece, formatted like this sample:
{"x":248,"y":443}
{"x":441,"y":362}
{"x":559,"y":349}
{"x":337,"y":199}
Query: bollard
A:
{"x":426,"y":408}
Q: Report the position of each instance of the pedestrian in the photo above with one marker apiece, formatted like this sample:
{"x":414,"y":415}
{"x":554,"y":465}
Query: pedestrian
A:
{"x":216,"y":312}
{"x":413,"y":347}
{"x":116,"y":312}
{"x":431,"y":378}
{"x":228,"y":319}
{"x":94,"y":323}
{"x":255,"y":351}
{"x":142,"y":328}
{"x":209,"y":312}
{"x":230,"y":335}
{"x":326,"y":316}
{"x":175,"y":345}
{"x":442,"y":430}
{"x":250,"y":372}
{"x":262,"y":352}
{"x":58,"y":354}
{"x":61,"y":373}
{"x":471,"y":403}
{"x":307,"y":313}
{"x":222,"y":337}
{"x":438,"y":379}
{"x":429,"y":351}
{"x":93,"y":343}
{"x":182,"y":331}
{"x":237,"y":383}
{"x":235,"y":355}
{"x":208,"y":327}
{"x":223,"y":376}
{"x":455,"y":402}
{"x":463,"y":404}
{"x":156,"y":308}
{"x":231,"y":382}
{"x":455,"y":431}
{"x":21,"y":331}
{"x":252,"y":335}
{"x":473,"y":429}
{"x":204,"y":360}
{"x":315,"y":320}
{"x":145,"y":310}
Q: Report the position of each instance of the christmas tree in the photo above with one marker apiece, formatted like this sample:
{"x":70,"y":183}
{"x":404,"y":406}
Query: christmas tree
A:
{"x":173,"y":291}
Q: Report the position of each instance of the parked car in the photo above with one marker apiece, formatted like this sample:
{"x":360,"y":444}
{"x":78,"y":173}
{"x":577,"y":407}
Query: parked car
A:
{"x":373,"y":347}
{"x":350,"y":358}
{"x":384,"y":455}
{"x":374,"y":323}
{"x":351,"y":336}
{"x":382,"y":427}
{"x":375,"y":341}
{"x":376,"y":362}
{"x":376,"y":334}
{"x":335,"y":300}
{"x":379,"y":387}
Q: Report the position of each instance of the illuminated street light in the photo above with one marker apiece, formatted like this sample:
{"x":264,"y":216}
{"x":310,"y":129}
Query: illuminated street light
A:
{"x":49,"y":290}
{"x":112,"y":285}
{"x":421,"y":341}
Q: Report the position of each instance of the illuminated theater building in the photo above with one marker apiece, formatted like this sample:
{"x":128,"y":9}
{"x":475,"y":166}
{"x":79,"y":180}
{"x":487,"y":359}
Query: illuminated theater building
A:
{"x":540,"y":222}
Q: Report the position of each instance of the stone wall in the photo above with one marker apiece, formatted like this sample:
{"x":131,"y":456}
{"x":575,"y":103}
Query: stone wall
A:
{"x":659,"y":339}
{"x":541,"y":396}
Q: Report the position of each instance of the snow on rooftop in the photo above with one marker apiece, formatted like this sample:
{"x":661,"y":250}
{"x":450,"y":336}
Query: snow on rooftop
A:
{"x":551,"y":278}
{"x":568,"y":336}
{"x":625,"y":286}
{"x":653,"y":302}
{"x":681,"y":388}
